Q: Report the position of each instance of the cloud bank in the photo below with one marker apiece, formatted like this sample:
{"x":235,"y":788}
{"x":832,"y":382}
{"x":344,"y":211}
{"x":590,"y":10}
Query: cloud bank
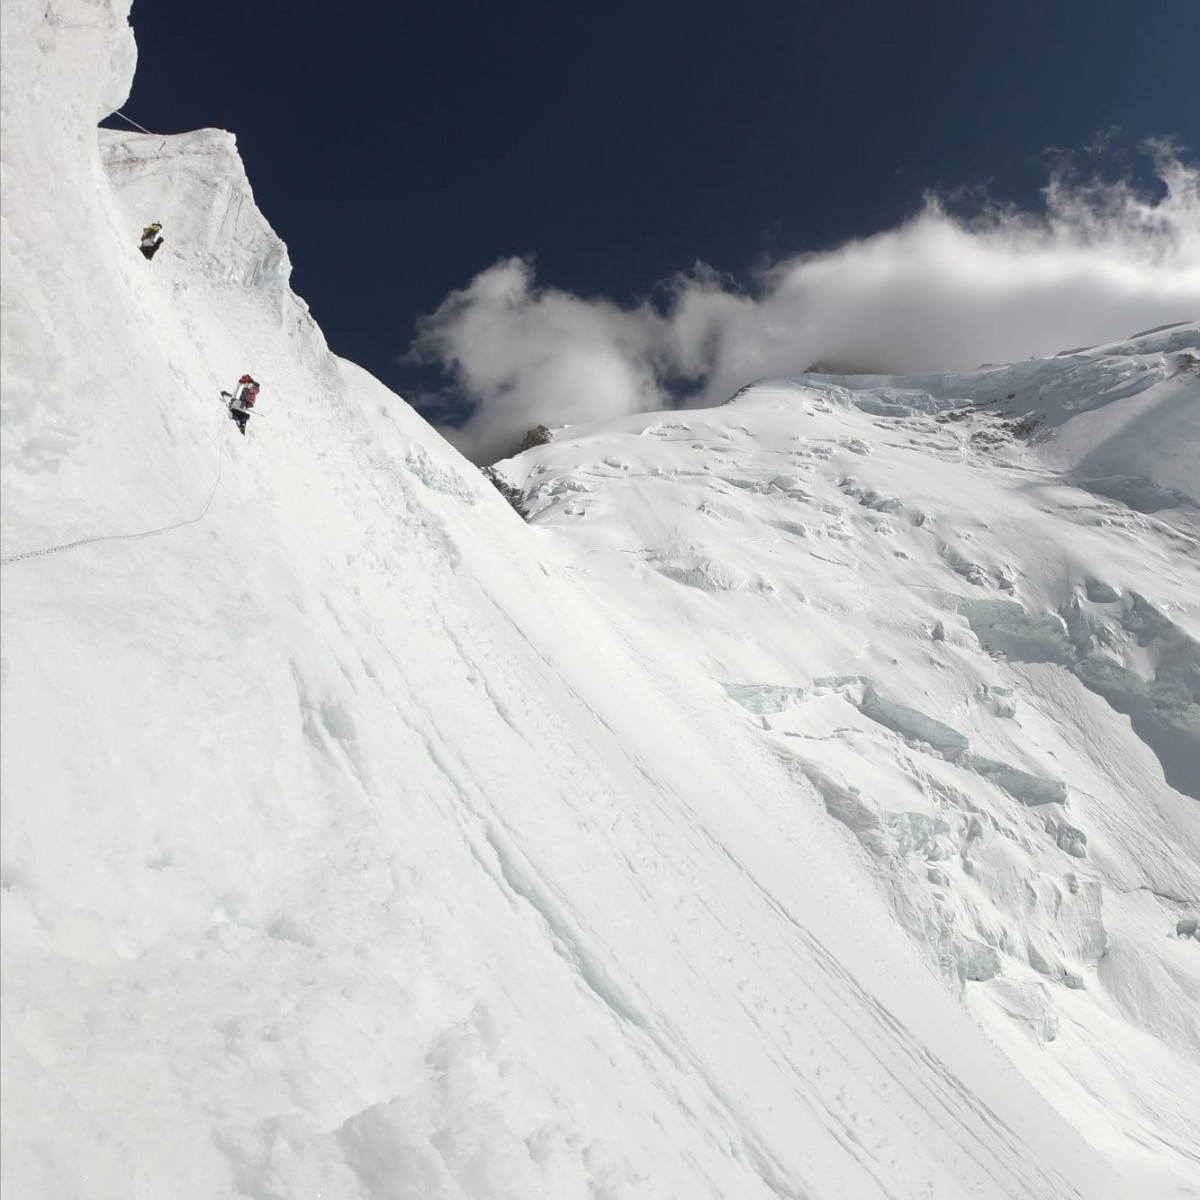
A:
{"x":940,"y":292}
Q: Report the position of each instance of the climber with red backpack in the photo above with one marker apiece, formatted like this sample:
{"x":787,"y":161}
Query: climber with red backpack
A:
{"x":242,"y":401}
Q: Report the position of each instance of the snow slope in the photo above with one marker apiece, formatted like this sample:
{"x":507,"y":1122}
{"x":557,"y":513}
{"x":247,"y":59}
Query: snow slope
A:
{"x":358,"y":843}
{"x":964,"y":608}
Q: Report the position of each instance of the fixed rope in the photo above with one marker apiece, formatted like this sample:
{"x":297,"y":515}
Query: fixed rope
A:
{"x":118,"y":113}
{"x":125,"y":537}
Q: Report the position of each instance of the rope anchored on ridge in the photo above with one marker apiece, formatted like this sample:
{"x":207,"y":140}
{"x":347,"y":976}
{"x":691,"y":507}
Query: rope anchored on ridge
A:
{"x":118,"y":113}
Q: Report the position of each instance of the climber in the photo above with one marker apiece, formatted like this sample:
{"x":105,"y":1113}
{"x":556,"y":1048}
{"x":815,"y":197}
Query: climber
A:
{"x":152,"y":238}
{"x":242,"y":401}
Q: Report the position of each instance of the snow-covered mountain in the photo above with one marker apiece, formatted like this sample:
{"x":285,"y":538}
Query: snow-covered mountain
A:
{"x":964,"y":610}
{"x":803,"y":804}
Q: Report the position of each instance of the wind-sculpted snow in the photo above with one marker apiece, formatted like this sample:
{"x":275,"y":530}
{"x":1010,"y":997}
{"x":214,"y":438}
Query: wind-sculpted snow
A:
{"x":984,"y":667}
{"x":1137,"y":492}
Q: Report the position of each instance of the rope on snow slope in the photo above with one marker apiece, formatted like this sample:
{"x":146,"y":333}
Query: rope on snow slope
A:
{"x":122,"y":537}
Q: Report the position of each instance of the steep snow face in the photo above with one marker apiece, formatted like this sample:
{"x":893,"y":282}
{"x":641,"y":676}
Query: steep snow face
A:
{"x":964,"y":609}
{"x":64,"y":65}
{"x":352,"y":848}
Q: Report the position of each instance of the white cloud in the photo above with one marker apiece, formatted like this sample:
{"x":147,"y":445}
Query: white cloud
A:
{"x":941,"y":292}
{"x":530,"y":355}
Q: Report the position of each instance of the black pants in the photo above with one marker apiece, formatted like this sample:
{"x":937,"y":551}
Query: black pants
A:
{"x":241,"y":418}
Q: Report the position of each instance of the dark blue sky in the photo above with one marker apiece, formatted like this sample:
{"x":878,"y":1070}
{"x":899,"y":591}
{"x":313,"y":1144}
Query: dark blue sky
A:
{"x":399,"y":150}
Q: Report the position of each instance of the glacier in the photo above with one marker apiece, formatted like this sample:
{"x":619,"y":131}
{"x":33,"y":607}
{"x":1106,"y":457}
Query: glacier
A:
{"x":801,"y":804}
